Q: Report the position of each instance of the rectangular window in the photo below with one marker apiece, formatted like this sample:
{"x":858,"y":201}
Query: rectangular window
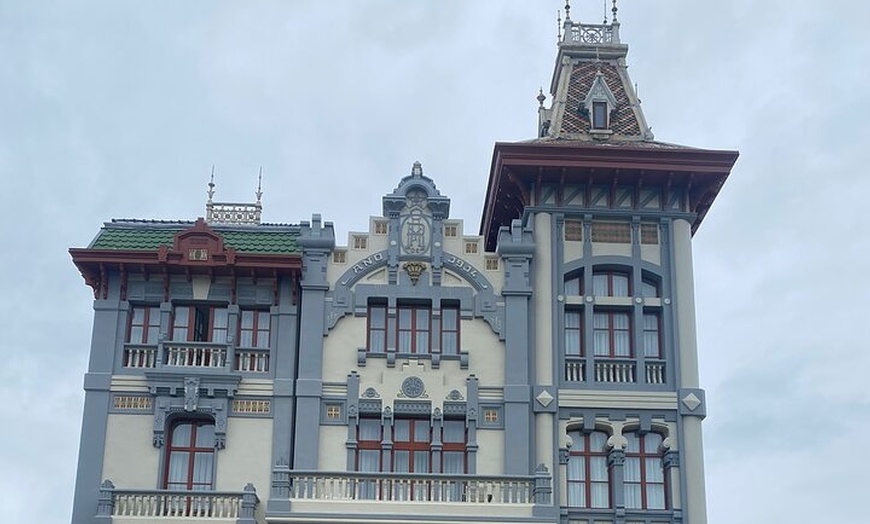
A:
{"x":360,"y":241}
{"x":599,"y":115}
{"x":612,"y":334}
{"x":254,"y":328}
{"x":649,"y":289}
{"x":377,"y":328}
{"x":588,"y":474}
{"x":649,"y":234}
{"x":644,"y":474}
{"x":144,"y":325}
{"x":573,"y":334}
{"x":471,"y":247}
{"x":190,"y":456}
{"x":381,"y":227}
{"x":413,"y":329}
{"x":651,"y":336}
{"x":450,"y":330}
{"x":200,"y":323}
{"x":573,"y":230}
{"x":611,"y":232}
{"x":339,"y":256}
{"x":450,"y":231}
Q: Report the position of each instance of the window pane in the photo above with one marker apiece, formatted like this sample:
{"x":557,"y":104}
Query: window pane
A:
{"x":402,"y":430}
{"x":454,"y":431}
{"x":370,"y":429}
{"x":421,"y":431}
{"x":402,"y":461}
{"x":632,"y":496}
{"x":404,"y":318}
{"x":649,"y":289}
{"x":136,"y":333}
{"x":247,"y":319}
{"x":633,"y":443}
{"x":600,"y":285}
{"x":454,"y":462}
{"x":600,"y":495}
{"x":421,"y":462}
{"x":449,"y":343}
{"x":205,"y":436}
{"x":377,"y":341}
{"x":597,"y":441}
{"x":654,"y":472}
{"x":651,"y":344}
{"x":620,"y":285}
{"x":652,"y":441}
{"x":575,"y":467}
{"x":572,"y":287}
{"x":202,"y":467}
{"x":181,"y":435}
{"x":602,"y":344}
{"x":655,"y":496}
{"x":219,"y":325}
{"x":622,"y":344}
{"x":422,"y":322}
{"x":378,"y":317}
{"x":176,"y":477}
{"x":598,"y":469}
{"x":576,"y":495}
{"x":599,"y":115}
{"x":422,"y":342}
{"x":632,"y":469}
{"x":180,"y":323}
{"x":404,"y":342}
{"x":369,"y":460}
{"x":449,"y":319}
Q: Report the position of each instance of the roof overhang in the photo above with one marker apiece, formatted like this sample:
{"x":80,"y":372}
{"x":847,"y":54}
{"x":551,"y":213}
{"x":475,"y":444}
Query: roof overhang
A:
{"x":516,"y":166}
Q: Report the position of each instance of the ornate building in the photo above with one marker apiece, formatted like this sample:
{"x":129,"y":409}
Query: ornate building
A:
{"x":544,"y":371}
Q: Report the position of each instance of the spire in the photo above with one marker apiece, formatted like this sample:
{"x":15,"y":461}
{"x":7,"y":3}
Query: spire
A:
{"x":259,"y":192}
{"x":211,"y":184}
{"x":592,"y":95}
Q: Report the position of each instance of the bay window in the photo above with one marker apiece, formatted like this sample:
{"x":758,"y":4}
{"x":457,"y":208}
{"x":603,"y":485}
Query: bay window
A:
{"x":612,"y":334}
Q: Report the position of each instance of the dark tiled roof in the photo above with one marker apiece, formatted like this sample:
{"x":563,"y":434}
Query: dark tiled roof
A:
{"x":625,"y":144}
{"x":149,"y":235}
{"x":624,"y":122}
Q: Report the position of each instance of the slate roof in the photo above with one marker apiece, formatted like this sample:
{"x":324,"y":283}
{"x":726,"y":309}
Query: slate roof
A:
{"x":149,"y":235}
{"x":624,"y":122}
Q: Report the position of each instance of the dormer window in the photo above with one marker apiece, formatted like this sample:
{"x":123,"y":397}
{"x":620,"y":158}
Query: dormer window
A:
{"x":598,"y":105}
{"x":599,"y":115}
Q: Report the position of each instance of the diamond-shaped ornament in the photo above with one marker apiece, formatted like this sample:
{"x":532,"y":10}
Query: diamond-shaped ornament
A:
{"x":691,"y":401}
{"x":544,"y":398}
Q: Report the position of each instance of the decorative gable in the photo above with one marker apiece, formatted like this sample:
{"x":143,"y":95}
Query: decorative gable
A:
{"x":599,"y":104}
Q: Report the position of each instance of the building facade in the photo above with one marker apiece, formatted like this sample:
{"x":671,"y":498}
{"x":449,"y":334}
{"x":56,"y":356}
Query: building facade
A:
{"x":543,"y":371}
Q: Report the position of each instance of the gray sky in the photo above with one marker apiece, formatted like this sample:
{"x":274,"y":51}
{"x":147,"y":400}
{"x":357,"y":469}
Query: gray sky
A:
{"x":118,"y":109}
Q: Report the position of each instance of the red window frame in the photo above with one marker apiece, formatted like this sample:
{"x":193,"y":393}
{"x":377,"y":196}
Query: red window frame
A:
{"x":376,"y":326}
{"x":611,"y":330}
{"x":451,"y":310}
{"x":657,"y":331}
{"x":414,"y":330}
{"x":413,"y":445}
{"x":574,"y":326}
{"x":454,"y":446}
{"x":200,"y":325}
{"x":585,"y":452}
{"x":259,"y":336}
{"x":150,"y":320}
{"x":192,"y":449}
{"x":644,"y":457}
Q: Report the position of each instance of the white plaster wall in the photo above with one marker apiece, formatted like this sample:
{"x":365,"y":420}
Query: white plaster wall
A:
{"x":609,"y":249}
{"x":130,"y":460}
{"x":333,"y":453}
{"x":651,"y":253}
{"x":247,"y":457}
{"x":438,"y":382}
{"x":572,"y":250}
{"x":490,"y":453}
{"x":485,"y":351}
{"x":340,"y":348}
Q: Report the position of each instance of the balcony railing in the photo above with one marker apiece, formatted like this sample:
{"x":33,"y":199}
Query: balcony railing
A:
{"x":252,"y":360}
{"x":196,"y":355}
{"x":188,"y":355}
{"x":399,"y":487}
{"x":177,"y":504}
{"x":615,"y":371}
{"x":594,"y":34}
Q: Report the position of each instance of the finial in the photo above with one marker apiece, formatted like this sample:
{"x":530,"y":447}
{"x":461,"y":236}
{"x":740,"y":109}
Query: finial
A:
{"x":614,"y":10}
{"x":558,"y":25}
{"x":417,"y":170}
{"x":605,"y":13}
{"x":211,"y":184}
{"x":541,"y":97}
{"x":567,"y":10}
{"x":259,"y":192}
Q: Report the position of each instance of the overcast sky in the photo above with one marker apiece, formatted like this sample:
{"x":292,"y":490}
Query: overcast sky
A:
{"x":119,"y":109}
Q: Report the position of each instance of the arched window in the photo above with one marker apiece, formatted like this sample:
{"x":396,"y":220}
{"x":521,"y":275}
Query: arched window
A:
{"x":190,"y":455}
{"x":644,"y":474}
{"x":588,"y":474}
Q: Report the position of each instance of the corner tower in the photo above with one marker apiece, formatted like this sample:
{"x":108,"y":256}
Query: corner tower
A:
{"x":617,"y":398}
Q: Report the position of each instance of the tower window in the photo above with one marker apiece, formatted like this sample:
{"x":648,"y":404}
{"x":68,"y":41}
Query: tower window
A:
{"x":599,"y":115}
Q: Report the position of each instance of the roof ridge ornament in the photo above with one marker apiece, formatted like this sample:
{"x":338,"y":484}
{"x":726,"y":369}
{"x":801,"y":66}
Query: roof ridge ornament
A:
{"x":417,"y":169}
{"x":567,"y":10}
{"x":234,"y":212}
{"x":211,"y":184}
{"x":614,"y":20}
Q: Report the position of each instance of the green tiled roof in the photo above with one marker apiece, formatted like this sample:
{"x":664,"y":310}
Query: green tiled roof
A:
{"x":275,"y":242}
{"x":146,"y":239}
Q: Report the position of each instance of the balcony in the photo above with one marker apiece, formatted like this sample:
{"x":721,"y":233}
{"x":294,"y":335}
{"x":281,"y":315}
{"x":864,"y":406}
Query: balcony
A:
{"x":201,"y":355}
{"x":615,"y":371}
{"x":396,"y":495}
{"x":122,"y":506}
